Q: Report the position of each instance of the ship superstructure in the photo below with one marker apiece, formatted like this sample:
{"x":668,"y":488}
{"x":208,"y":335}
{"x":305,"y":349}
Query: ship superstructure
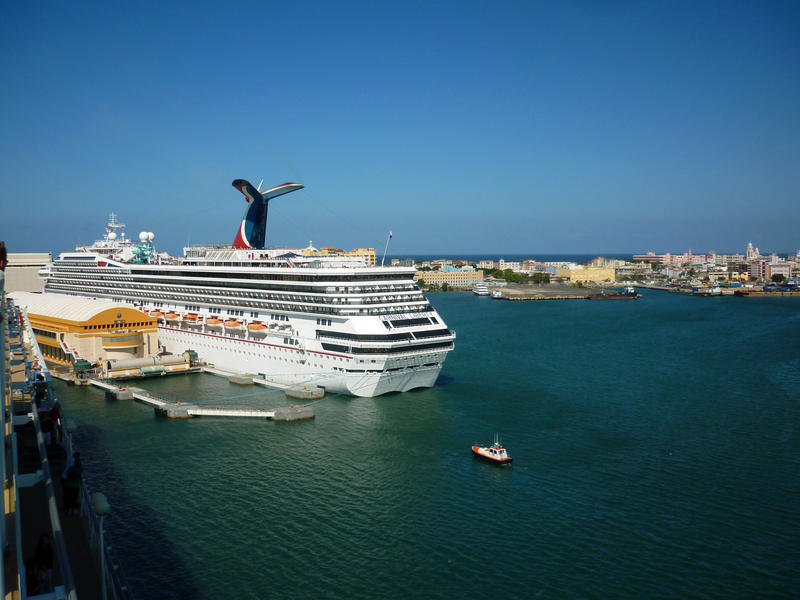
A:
{"x":321,"y":320}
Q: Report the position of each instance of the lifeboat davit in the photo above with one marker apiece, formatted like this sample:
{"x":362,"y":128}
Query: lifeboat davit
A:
{"x":234,"y":326}
{"x":257,"y":329}
{"x":214,"y":323}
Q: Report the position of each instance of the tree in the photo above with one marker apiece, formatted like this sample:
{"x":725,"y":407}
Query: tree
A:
{"x":445,"y":287}
{"x":778,"y":278}
{"x":541,"y":277}
{"x":421,"y":283}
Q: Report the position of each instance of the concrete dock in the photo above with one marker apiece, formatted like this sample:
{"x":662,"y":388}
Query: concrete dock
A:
{"x":545,"y":292}
{"x":184,"y":410}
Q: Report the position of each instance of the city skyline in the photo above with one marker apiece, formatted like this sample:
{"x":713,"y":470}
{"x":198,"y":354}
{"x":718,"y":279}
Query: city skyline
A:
{"x":469,"y":128}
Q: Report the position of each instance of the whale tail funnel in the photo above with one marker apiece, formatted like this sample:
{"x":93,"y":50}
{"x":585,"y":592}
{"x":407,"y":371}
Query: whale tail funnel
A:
{"x":252,"y":230}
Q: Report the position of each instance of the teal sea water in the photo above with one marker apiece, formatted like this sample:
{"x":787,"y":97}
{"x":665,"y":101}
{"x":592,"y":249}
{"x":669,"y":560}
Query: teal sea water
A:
{"x":656,"y":455}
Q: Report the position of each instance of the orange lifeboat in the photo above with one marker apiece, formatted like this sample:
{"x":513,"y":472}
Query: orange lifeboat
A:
{"x":172,"y":317}
{"x":234,"y":325}
{"x":156,"y":313}
{"x":191,"y":320}
{"x":214,"y":323}
{"x":257,"y":329}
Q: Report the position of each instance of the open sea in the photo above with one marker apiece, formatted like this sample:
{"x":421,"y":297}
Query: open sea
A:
{"x":656,"y":455}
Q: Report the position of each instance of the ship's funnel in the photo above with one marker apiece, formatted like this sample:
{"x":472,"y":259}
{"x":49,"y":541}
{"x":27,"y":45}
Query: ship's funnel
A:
{"x":253,"y":228}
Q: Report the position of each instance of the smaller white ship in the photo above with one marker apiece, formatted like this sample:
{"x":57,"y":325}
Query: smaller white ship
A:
{"x":480,"y":289}
{"x":497,"y":294}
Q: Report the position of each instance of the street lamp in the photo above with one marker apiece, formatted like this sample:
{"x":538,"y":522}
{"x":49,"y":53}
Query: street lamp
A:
{"x":101,"y":509}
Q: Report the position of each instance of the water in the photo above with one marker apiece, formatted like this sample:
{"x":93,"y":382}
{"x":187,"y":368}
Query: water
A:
{"x":655,"y":444}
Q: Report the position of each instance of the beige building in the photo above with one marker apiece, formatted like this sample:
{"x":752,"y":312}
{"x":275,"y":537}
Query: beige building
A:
{"x":505,"y":264}
{"x":462,"y":279}
{"x":368,"y":254}
{"x":68,"y":328}
{"x":584,"y":274}
{"x":22,"y":272}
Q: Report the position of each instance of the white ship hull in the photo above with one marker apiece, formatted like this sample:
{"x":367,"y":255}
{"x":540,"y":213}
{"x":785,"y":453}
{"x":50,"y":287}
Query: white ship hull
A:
{"x":290,"y":366}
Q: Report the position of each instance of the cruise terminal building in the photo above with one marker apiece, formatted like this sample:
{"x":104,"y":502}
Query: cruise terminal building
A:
{"x":68,"y":328}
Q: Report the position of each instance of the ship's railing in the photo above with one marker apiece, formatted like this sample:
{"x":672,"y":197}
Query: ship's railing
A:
{"x":113,"y":577}
{"x":3,"y":326}
{"x":67,"y":588}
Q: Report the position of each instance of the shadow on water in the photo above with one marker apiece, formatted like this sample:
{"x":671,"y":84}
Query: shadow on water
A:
{"x":445,"y":380}
{"x":161,"y":571}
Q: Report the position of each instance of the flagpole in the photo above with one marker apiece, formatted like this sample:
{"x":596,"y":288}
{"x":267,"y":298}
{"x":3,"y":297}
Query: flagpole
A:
{"x":386,"y":247}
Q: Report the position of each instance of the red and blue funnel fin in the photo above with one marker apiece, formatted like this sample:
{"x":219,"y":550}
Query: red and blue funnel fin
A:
{"x":253,"y":228}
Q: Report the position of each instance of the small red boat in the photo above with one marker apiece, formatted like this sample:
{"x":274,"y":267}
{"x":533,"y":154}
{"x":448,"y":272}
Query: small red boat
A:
{"x":495,"y":453}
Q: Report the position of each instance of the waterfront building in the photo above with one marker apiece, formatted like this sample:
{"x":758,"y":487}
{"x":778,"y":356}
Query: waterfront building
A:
{"x":784,"y":269}
{"x":750,"y":253}
{"x":452,"y":268}
{"x":69,"y":328}
{"x":718,"y":273}
{"x":310,"y":250}
{"x":486,"y":264}
{"x":604,"y":262}
{"x":674,"y":272}
{"x":652,"y":257}
{"x":545,"y":268}
{"x":367,"y":254}
{"x":585,"y":274}
{"x":632,"y":270}
{"x":513,"y":265}
{"x":457,"y":279}
{"x":674,"y":259}
{"x":22,"y":271}
{"x":402,"y":262}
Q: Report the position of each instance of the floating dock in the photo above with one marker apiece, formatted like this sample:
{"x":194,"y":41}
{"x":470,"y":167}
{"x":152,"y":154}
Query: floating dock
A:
{"x":178,"y":410}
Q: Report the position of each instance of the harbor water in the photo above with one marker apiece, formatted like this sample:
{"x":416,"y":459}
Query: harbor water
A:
{"x":656,"y":455}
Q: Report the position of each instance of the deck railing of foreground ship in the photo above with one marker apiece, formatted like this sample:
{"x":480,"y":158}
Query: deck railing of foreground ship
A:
{"x":30,"y":499}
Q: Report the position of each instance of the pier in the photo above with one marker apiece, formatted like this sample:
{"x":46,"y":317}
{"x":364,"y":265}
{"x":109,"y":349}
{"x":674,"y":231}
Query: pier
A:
{"x":184,"y":410}
{"x":545,"y":292}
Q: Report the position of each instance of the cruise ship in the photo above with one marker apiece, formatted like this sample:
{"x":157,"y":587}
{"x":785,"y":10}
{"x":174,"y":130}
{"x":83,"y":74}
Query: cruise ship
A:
{"x":330,"y":321}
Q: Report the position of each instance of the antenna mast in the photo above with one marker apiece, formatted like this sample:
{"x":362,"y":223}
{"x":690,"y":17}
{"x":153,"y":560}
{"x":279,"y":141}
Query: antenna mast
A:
{"x":386,"y":247}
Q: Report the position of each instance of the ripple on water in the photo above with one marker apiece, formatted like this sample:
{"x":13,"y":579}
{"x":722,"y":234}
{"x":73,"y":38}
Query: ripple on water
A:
{"x":649,"y":462}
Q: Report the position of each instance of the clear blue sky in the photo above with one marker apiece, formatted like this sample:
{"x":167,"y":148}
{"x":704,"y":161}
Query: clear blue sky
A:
{"x":464,"y":127}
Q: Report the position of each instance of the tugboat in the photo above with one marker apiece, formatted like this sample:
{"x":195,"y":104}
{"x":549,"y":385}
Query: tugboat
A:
{"x":628,"y":293}
{"x":494,"y":453}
